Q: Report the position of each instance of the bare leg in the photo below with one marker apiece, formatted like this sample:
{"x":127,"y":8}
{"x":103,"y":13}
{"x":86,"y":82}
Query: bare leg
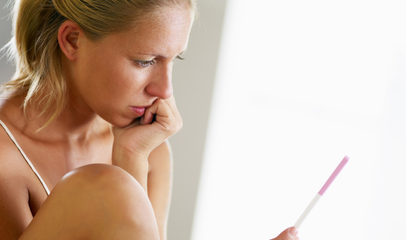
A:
{"x":95,"y":202}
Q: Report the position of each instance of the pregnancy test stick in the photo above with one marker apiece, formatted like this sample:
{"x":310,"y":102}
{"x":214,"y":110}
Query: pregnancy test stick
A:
{"x":321,"y":192}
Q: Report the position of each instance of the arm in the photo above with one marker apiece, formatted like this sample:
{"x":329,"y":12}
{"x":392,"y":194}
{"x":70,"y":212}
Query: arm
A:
{"x":143,"y":151}
{"x":133,"y":144}
{"x":160,"y":184}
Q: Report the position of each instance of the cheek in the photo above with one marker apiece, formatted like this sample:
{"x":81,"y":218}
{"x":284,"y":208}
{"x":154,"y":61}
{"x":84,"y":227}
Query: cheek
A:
{"x":122,"y":81}
{"x":112,"y":78}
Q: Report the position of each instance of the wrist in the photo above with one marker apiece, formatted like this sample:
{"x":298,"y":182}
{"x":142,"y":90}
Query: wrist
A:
{"x":135,"y":163}
{"x":129,"y":151}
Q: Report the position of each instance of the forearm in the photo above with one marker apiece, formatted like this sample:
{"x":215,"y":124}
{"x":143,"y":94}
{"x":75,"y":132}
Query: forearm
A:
{"x":135,"y":164}
{"x":160,"y":184}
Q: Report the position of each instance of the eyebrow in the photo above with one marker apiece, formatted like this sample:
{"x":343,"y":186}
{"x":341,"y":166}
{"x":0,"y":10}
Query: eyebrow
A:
{"x":159,"y":55}
{"x":153,"y":55}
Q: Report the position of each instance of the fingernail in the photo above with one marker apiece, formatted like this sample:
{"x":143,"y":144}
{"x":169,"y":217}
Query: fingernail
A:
{"x":292,"y":232}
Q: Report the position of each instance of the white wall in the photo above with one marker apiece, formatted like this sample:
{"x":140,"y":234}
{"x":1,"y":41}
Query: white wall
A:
{"x":301,"y":84}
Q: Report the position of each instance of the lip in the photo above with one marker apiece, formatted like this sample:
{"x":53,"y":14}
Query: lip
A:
{"x":139,"y":111}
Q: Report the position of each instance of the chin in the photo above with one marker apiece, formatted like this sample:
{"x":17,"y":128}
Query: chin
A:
{"x":124,"y":122}
{"x":120,"y":122}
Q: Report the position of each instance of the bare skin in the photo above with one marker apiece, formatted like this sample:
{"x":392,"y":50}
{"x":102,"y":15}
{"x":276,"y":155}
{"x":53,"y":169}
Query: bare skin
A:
{"x":106,"y":182}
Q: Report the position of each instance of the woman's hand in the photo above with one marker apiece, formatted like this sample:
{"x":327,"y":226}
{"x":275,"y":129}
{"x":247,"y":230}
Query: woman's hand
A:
{"x":288,"y":234}
{"x":133,"y":144}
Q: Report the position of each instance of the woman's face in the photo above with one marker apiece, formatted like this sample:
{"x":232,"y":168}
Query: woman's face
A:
{"x":122,"y":74}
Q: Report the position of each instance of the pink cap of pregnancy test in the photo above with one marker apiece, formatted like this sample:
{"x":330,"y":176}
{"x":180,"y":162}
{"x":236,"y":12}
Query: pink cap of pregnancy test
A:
{"x":333,"y":175}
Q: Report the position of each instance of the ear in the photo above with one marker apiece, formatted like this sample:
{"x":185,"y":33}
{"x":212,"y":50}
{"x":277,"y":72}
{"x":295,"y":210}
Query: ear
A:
{"x":69,"y":36}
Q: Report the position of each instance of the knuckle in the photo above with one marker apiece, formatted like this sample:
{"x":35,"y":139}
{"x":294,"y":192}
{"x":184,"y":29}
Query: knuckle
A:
{"x":177,"y":125}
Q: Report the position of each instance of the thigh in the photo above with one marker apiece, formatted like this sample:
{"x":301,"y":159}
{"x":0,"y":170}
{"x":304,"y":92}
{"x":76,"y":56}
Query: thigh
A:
{"x":97,"y":201}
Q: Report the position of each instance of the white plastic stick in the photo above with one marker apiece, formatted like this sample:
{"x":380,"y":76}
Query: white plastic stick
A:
{"x":321,"y":192}
{"x":307,"y":211}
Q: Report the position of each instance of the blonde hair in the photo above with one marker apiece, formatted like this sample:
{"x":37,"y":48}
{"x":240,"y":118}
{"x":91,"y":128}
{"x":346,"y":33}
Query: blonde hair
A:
{"x":35,"y":48}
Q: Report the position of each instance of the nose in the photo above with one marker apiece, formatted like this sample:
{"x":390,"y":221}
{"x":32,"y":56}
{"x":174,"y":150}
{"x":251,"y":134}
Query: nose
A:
{"x":161,"y":83}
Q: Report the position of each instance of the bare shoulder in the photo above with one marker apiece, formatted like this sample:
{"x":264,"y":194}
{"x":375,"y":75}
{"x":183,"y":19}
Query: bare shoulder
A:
{"x":10,"y":157}
{"x":9,"y":154}
{"x":10,"y":163}
{"x":15,"y":212}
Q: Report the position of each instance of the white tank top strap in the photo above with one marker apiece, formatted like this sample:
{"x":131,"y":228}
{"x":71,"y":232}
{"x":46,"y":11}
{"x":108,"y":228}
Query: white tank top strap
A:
{"x":24,"y":156}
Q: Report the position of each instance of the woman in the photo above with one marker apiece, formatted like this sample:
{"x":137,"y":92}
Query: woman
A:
{"x":84,"y":66}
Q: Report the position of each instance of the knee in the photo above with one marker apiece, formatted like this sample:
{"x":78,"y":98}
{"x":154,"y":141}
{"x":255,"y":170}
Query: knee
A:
{"x":106,"y":195}
{"x":105,"y":183}
{"x":102,"y":179}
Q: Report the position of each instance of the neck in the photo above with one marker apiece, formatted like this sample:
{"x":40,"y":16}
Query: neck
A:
{"x":73,"y":123}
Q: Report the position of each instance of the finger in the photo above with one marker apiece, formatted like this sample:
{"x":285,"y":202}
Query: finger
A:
{"x":149,"y":113}
{"x":134,"y":123}
{"x":161,"y":109}
{"x":172,"y":104}
{"x":288,"y":234}
{"x":178,"y":118}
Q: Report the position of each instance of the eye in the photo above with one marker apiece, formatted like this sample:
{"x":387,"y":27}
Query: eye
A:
{"x":145,"y":63}
{"x":178,"y":57}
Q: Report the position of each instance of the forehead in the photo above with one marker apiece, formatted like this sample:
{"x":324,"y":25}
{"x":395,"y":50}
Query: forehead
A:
{"x":163,"y":33}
